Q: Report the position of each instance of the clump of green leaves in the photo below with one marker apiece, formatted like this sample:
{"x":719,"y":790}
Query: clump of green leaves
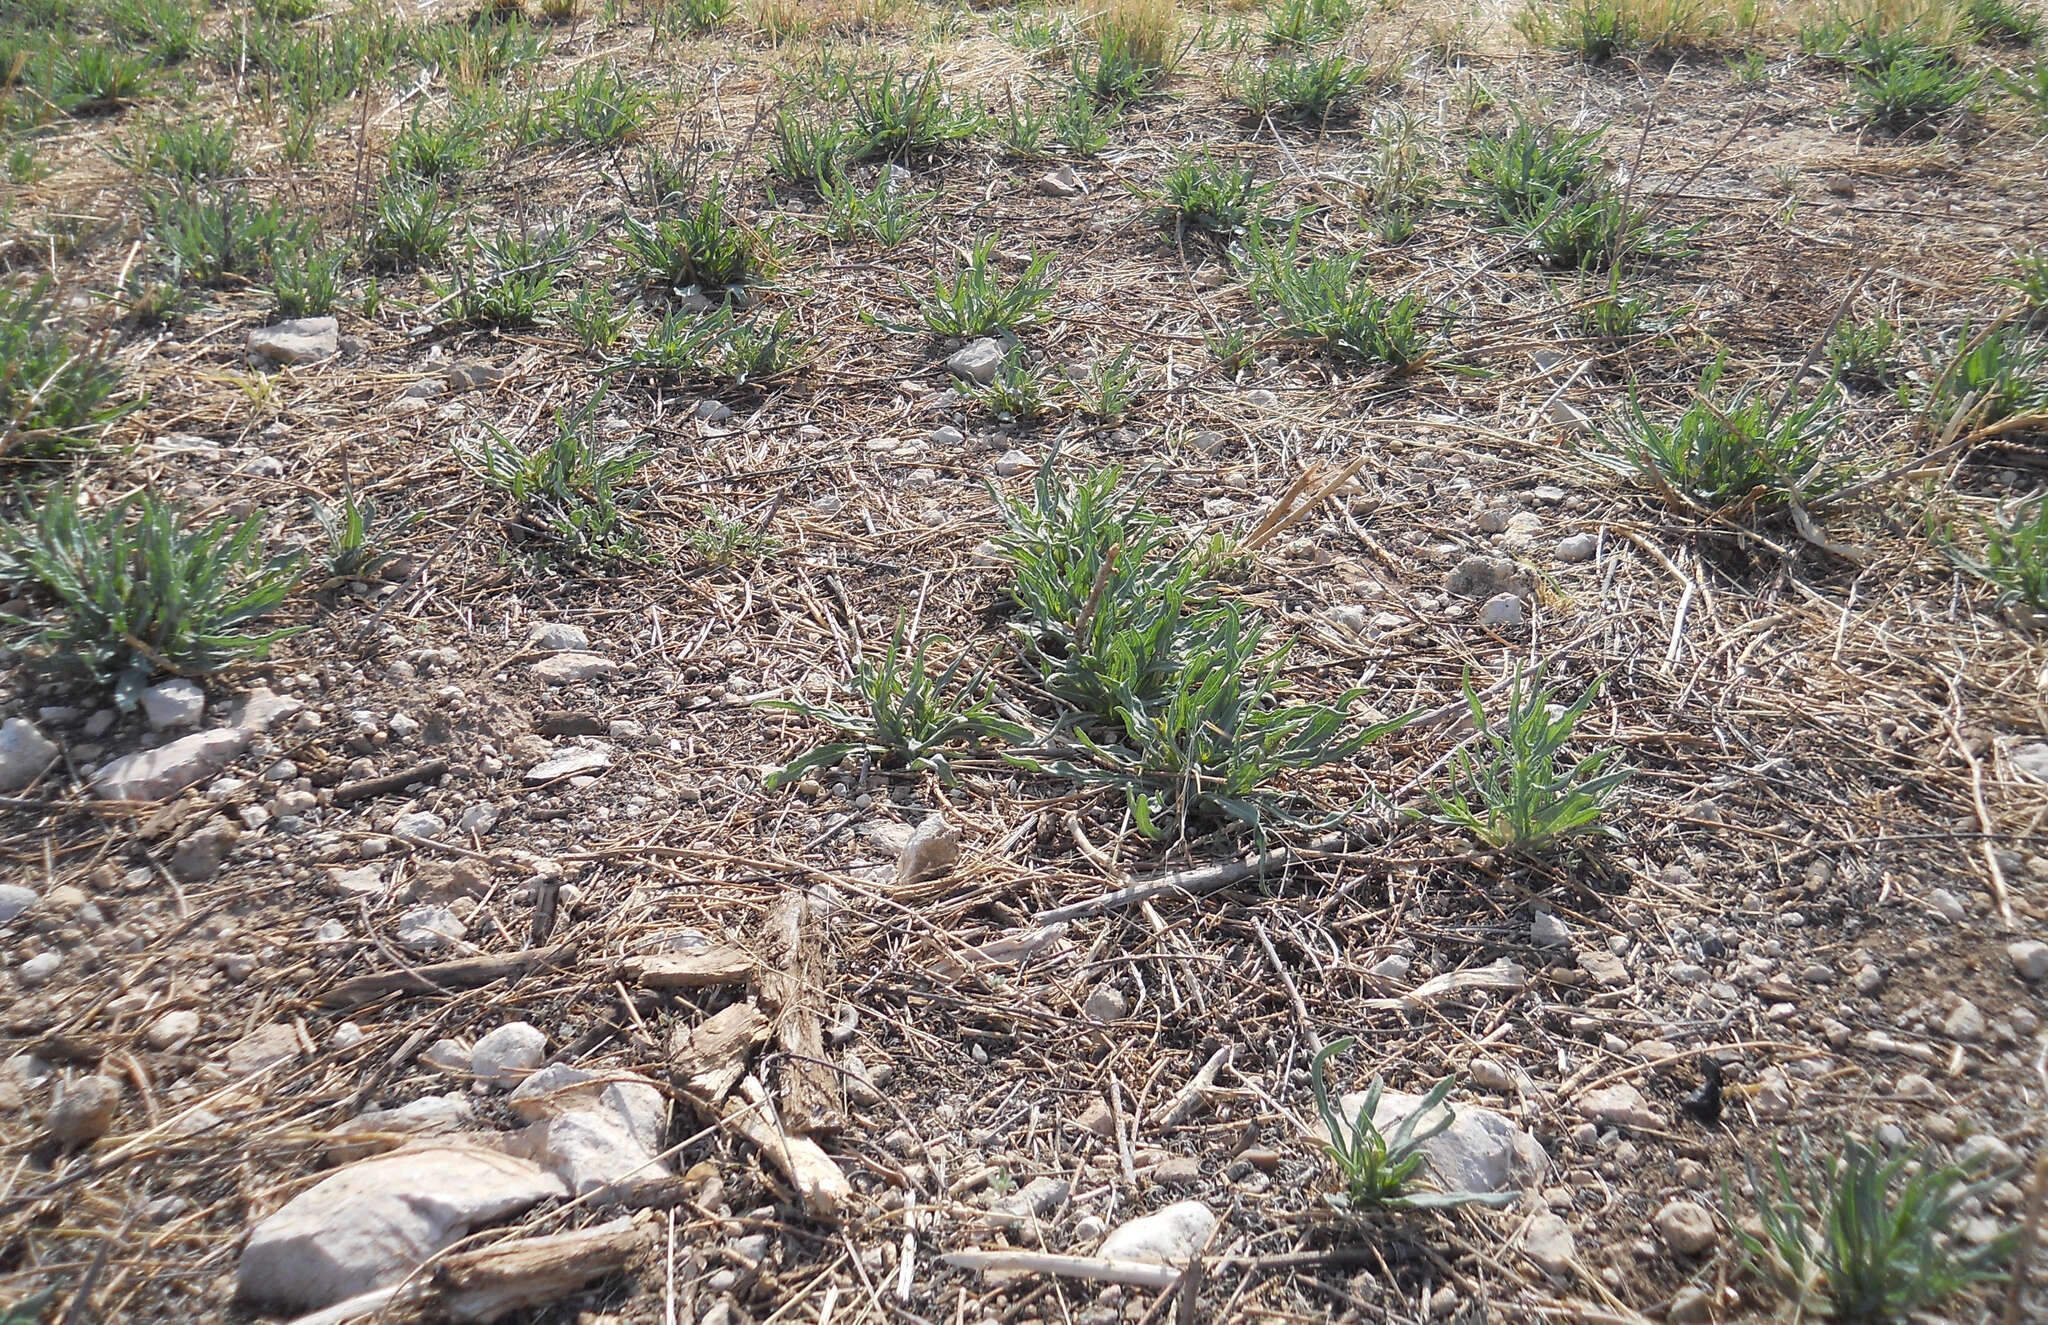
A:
{"x":703,"y":248}
{"x":1215,"y":742}
{"x":1512,"y":792}
{"x":1379,"y":1169}
{"x":716,"y":346}
{"x":1298,"y":24}
{"x":2015,"y":556}
{"x":1111,"y":386}
{"x":187,"y":150}
{"x":56,"y":386}
{"x":411,"y":225}
{"x":719,"y":539}
{"x":305,"y":279}
{"x":2003,"y":22}
{"x":355,"y":548}
{"x":978,"y":301}
{"x":568,"y":488}
{"x":598,"y":105}
{"x":508,"y":278}
{"x":1329,"y":302}
{"x":2029,"y":282}
{"x":131,"y":589}
{"x":1211,"y":196}
{"x":594,"y":317}
{"x":1311,"y":88}
{"x":1917,"y":86}
{"x":907,"y":717}
{"x":1731,"y":452}
{"x":215,"y":236}
{"x":896,"y":112}
{"x":1867,"y":1236}
{"x":1549,"y":186}
{"x":1997,"y":376}
{"x":884,"y":212}
{"x":1018,"y":392}
{"x":1863,"y":352}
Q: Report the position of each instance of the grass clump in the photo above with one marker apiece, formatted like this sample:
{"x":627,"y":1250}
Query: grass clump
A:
{"x":1311,"y":88}
{"x":354,"y":544}
{"x":410,"y":227}
{"x":218,"y":237}
{"x":508,"y":278}
{"x":978,"y":301}
{"x":1863,"y":352}
{"x":882,"y":213}
{"x":714,"y":347}
{"x":1866,"y":1236}
{"x":1513,"y":795}
{"x":1211,"y":196}
{"x":56,"y":389}
{"x":1328,"y":302}
{"x":567,"y":489}
{"x":598,"y":106}
{"x":2015,"y":553}
{"x":1919,"y":85}
{"x":1731,"y":452}
{"x":1379,"y":1168}
{"x":190,"y":151}
{"x":132,"y":590}
{"x":894,"y":113}
{"x":1299,"y":24}
{"x":1995,"y":378}
{"x":907,"y":715}
{"x":702,"y":248}
{"x":1598,"y":30}
{"x":1549,"y":186}
{"x":1138,"y":46}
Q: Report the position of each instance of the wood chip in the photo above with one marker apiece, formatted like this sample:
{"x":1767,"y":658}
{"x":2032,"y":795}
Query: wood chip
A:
{"x":706,"y":968}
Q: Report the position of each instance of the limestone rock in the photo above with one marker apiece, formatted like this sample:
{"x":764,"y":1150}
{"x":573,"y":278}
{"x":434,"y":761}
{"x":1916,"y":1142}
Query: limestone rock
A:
{"x":1173,"y":1236}
{"x":507,"y":1054}
{"x":1547,"y":1242}
{"x":1619,"y":1106}
{"x":173,"y":1030}
{"x":932,"y":851}
{"x":266,"y":1046}
{"x":198,"y":859}
{"x":152,"y":775}
{"x":174,"y":703}
{"x":567,"y":668}
{"x":24,"y":753}
{"x":978,"y":361}
{"x":297,"y":340}
{"x":83,"y":1110}
{"x":372,"y":1223}
{"x":1481,"y":1151}
{"x":1685,"y":1227}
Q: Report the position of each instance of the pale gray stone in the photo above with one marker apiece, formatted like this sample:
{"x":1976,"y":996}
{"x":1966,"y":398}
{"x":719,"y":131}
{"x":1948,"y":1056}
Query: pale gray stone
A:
{"x":558,"y":637}
{"x":152,"y":775}
{"x":1481,"y":1151}
{"x":172,"y":1030}
{"x":374,"y":1222}
{"x":24,"y":753}
{"x":297,"y":340}
{"x":932,"y":851}
{"x":1685,"y":1226}
{"x":1172,"y":1236}
{"x":568,"y":668}
{"x":174,"y":703}
{"x":507,"y":1054}
{"x":978,"y":361}
{"x":1547,"y":1242}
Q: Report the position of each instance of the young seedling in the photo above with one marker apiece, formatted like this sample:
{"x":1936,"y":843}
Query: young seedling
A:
{"x":1513,"y":794}
{"x":567,"y":489}
{"x":1866,"y":1236}
{"x":354,"y":545}
{"x":1204,"y":194}
{"x":979,"y":302}
{"x":908,"y":718}
{"x":1379,"y":1170}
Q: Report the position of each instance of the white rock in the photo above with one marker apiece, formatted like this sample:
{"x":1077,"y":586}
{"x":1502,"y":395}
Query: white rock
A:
{"x":152,"y":775}
{"x":173,"y":1030}
{"x":594,"y":759}
{"x":1619,"y":1106}
{"x":1577,"y":548}
{"x":477,"y":819}
{"x":558,"y":637}
{"x":1547,"y":931}
{"x":14,"y":899}
{"x":38,"y":969}
{"x":1685,"y":1227}
{"x":198,"y":859}
{"x":449,"y":1056}
{"x":945,"y":435}
{"x":174,"y":703}
{"x":364,"y":881}
{"x":1547,"y":1242}
{"x":268,"y":1045}
{"x":507,"y":1054}
{"x":596,"y":1152}
{"x":1012,"y":463}
{"x":263,"y":710}
{"x":24,"y":753}
{"x":347,"y":1036}
{"x":1394,"y":966}
{"x":377,"y":1130}
{"x":83,"y":1110}
{"x":1490,"y":1074}
{"x":1501,"y":610}
{"x":1948,"y":905}
{"x":712,"y":411}
{"x":420,"y":823}
{"x":978,"y":361}
{"x":373,"y":1222}
{"x":568,"y":668}
{"x":1173,"y":1236}
{"x":2029,"y":959}
{"x":933,"y":850}
{"x":2031,"y":760}
{"x":1965,"y":1024}
{"x":426,"y":928}
{"x":1351,"y":618}
{"x":1062,"y":182}
{"x":299,"y":340}
{"x":1481,"y":1151}
{"x":1104,"y":1005}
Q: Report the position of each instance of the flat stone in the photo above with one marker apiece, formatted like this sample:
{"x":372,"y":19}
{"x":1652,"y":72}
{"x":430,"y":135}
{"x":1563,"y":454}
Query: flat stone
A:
{"x":1501,"y":611}
{"x":1965,"y":1024}
{"x":83,"y":1110}
{"x":40,"y":969}
{"x":199,"y":858}
{"x":374,"y":1222}
{"x":14,"y":899}
{"x":298,"y":340}
{"x":1105,"y":1005}
{"x":932,"y":851}
{"x":595,"y":759}
{"x":1173,"y":1236}
{"x":507,"y":1054}
{"x":173,"y":1030}
{"x":568,"y":668}
{"x":1605,"y":968}
{"x":152,"y":775}
{"x":1062,"y":182}
{"x":266,"y":1046}
{"x":1481,"y":1151}
{"x":174,"y":703}
{"x":2030,"y":760}
{"x":1577,"y":548}
{"x":375,"y":1131}
{"x":428,"y":928}
{"x":978,"y":361}
{"x":24,"y":753}
{"x":264,"y":709}
{"x":2029,"y":959}
{"x":1547,"y":1242}
{"x":473,"y":376}
{"x":1547,"y":931}
{"x":1690,"y":1306}
{"x":1685,"y":1226}
{"x":1012,"y":463}
{"x":558,"y":637}
{"x":1619,"y":1106}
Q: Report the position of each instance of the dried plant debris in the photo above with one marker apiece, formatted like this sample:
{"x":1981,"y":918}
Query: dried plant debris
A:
{"x":708,"y":662}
